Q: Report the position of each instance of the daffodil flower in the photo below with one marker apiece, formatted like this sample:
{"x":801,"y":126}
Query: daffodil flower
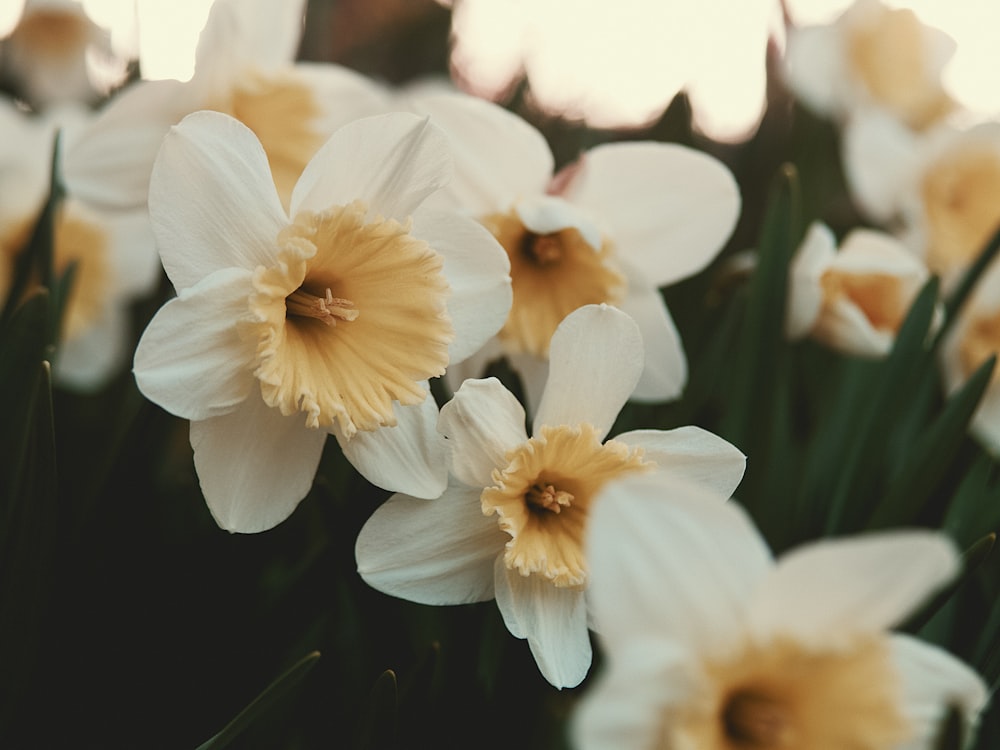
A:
{"x":872,"y":56}
{"x":854,"y":299}
{"x":512,"y":521}
{"x":712,"y":644}
{"x":327,"y":319}
{"x":622,"y":221}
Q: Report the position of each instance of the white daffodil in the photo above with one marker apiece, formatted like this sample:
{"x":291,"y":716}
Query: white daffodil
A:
{"x":713,"y":645}
{"x":326,"y":319}
{"x":872,"y":56}
{"x":244,"y":67}
{"x":943,"y":187}
{"x":112,"y":252}
{"x":622,"y":221}
{"x":511,"y":523}
{"x":854,"y":299}
{"x":57,"y":54}
{"x":975,"y":337}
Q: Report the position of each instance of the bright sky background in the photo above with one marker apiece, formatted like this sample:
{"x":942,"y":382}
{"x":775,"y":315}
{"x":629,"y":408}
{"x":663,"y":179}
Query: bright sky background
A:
{"x":616,"y":63}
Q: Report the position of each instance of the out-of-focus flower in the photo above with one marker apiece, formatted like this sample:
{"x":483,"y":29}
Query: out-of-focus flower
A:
{"x":622,"y":221}
{"x":872,"y":56}
{"x":711,"y":644}
{"x":244,"y":68}
{"x":944,"y":187}
{"x":327,"y":319}
{"x":975,"y":337}
{"x":511,"y":523}
{"x":856,"y":299}
{"x":56,"y":54}
{"x":112,"y":251}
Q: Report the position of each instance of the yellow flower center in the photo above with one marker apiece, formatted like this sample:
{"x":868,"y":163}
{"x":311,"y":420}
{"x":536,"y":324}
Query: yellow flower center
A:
{"x":961,"y":196}
{"x":980,"y":340}
{"x":878,"y":295}
{"x":79,"y":240}
{"x":552,"y":275}
{"x":280,"y":110}
{"x":782,"y":696}
{"x":350,"y":319}
{"x":889,"y":56}
{"x":51,"y":34}
{"x":543,"y":497}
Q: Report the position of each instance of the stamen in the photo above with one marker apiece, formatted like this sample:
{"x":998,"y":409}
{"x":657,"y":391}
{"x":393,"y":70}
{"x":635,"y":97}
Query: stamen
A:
{"x":547,"y":497}
{"x":752,"y":720}
{"x":326,"y":309}
{"x":542,"y":249}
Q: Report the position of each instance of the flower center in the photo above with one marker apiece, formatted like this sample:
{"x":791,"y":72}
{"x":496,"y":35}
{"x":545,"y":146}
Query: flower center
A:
{"x":279,"y":109}
{"x":980,"y":340}
{"x":552,"y":275}
{"x":543,"y":497}
{"x":336,"y":267}
{"x":781,"y":695}
{"x":888,"y":54}
{"x":961,"y":196}
{"x":51,"y":34}
{"x":878,"y":295}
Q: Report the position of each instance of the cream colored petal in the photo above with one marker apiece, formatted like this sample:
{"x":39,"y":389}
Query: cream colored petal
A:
{"x":438,"y":551}
{"x":499,"y":158}
{"x":474,"y":366}
{"x":534,"y":374}
{"x":478,"y":273}
{"x":553,"y":619}
{"x":212,"y":202}
{"x":665,"y":372}
{"x":692,"y":455}
{"x":833,"y":590}
{"x":483,"y":422}
{"x":845,"y":327}
{"x":933,"y":681}
{"x":191,"y":360}
{"x":254,"y":464}
{"x":667,"y":208}
{"x":815,"y":69}
{"x":595,"y":360}
{"x":133,"y":253}
{"x":391,"y":162}
{"x":410,"y":457}
{"x":342,"y":95}
{"x":881,"y":159}
{"x":986,"y":421}
{"x":805,"y":294}
{"x":108,"y":161}
{"x":669,"y":561}
{"x":87,"y":362}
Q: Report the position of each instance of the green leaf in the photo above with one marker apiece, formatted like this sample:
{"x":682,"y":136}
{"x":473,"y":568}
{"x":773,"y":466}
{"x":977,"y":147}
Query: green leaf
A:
{"x":961,"y":294}
{"x":974,"y":508}
{"x":262,"y":703}
{"x":951,"y":731}
{"x":377,"y":727}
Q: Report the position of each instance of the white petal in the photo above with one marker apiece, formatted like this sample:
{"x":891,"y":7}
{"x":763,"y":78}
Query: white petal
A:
{"x":832,"y":590}
{"x":814,"y":67}
{"x":932,"y":682}
{"x":986,"y":421}
{"x":483,"y":422}
{"x":547,"y":214}
{"x":212,"y":201}
{"x":845,"y":327}
{"x":133,"y":253}
{"x":437,"y":551}
{"x":478,"y":273}
{"x":881,"y":160}
{"x":410,"y":457}
{"x":669,"y":561}
{"x":342,"y":94}
{"x":534,"y":373}
{"x":254,"y":464}
{"x":692,"y":455}
{"x":595,"y":360}
{"x":668,"y":209}
{"x":553,"y":619}
{"x":392,"y":162}
{"x":108,"y":162}
{"x":191,"y":360}
{"x":665,"y":372}
{"x":499,"y":158}
{"x":474,"y":366}
{"x":88,"y":361}
{"x":805,"y":294}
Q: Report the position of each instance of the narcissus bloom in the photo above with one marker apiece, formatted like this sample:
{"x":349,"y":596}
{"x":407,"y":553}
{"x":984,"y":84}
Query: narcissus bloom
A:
{"x":872,"y":56}
{"x":622,"y":221}
{"x":326,"y":319}
{"x":854,"y":299}
{"x":714,"y":645}
{"x":512,"y":521}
